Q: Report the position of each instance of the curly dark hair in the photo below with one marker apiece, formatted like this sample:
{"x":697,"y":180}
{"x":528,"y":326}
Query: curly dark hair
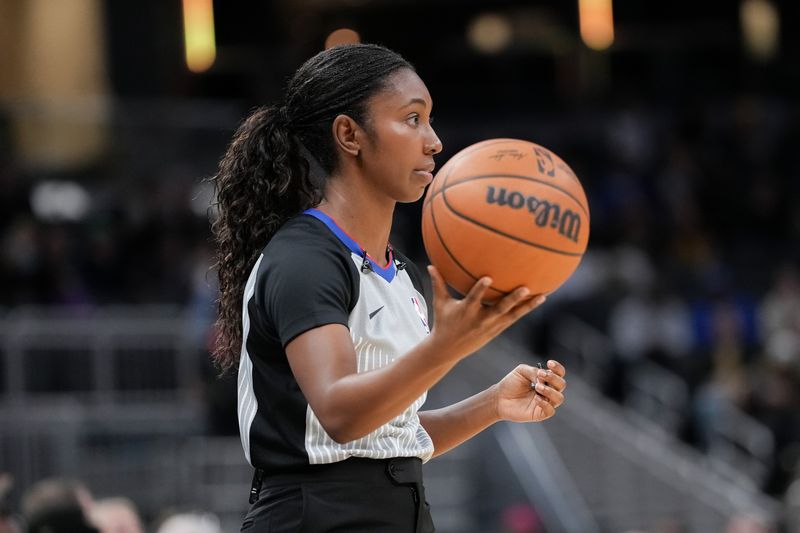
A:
{"x":277,"y":165}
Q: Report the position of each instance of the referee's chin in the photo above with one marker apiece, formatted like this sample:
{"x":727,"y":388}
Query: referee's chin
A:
{"x":414,"y":198}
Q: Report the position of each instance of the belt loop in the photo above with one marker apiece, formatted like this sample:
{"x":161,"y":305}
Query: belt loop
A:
{"x":255,"y":488}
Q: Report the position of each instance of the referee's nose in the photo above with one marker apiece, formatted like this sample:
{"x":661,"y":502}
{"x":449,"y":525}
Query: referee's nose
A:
{"x":433,"y":145}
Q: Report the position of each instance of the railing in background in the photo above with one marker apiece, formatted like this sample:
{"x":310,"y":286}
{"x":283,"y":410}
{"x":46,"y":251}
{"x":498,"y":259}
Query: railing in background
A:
{"x":126,"y":429}
{"x":157,"y":456}
{"x":101,"y":356}
{"x":561,"y":504}
{"x":735,"y":439}
{"x":630,"y":472}
{"x":107,"y":395}
{"x":659,"y":395}
{"x":738,"y":439}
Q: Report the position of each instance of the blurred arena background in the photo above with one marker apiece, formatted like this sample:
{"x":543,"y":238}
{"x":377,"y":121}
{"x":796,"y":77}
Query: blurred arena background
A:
{"x":680,"y":330}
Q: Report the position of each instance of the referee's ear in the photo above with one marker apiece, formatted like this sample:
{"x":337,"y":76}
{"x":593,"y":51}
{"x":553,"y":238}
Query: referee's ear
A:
{"x":346,"y":135}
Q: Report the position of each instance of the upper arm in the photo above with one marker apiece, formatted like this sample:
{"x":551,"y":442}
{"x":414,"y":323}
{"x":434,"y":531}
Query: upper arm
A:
{"x":318,"y":358}
{"x":308,"y":294}
{"x":304,"y":288}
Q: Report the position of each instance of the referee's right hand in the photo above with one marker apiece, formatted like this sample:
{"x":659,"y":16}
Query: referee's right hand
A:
{"x":461,"y":327}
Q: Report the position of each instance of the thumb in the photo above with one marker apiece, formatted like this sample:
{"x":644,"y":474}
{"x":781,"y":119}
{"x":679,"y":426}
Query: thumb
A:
{"x":439,"y":289}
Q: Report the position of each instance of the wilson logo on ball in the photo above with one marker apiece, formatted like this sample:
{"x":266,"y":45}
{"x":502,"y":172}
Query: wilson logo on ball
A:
{"x":545,"y":213}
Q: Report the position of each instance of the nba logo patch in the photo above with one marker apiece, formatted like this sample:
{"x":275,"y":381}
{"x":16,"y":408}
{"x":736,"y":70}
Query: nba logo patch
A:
{"x":420,"y":313}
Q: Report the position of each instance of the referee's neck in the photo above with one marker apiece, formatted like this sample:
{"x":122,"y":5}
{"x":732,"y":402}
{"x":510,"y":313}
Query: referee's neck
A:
{"x":365,"y":217}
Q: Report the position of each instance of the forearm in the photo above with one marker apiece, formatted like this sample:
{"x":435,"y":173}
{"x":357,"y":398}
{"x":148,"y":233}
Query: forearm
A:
{"x":358,"y":403}
{"x":450,"y":426}
{"x":351,"y":404}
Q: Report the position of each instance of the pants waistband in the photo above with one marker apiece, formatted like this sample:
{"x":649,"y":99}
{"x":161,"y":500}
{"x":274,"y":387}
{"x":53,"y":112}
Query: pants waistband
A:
{"x":397,"y":470}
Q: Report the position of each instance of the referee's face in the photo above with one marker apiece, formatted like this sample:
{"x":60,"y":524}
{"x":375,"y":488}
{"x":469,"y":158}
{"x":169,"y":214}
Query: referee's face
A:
{"x":398,"y":155}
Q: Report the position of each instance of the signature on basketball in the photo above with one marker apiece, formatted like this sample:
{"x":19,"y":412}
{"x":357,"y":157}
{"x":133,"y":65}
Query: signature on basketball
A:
{"x":545,"y":213}
{"x":511,"y":153}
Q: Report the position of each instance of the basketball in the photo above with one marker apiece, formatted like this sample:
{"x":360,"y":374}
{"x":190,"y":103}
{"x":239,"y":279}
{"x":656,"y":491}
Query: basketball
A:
{"x":508,"y":209}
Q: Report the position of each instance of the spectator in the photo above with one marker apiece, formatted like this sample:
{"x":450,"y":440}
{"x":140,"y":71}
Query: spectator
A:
{"x":779,"y":318}
{"x":792,"y":502}
{"x":7,"y":522}
{"x":191,"y":523}
{"x":521,"y":518}
{"x":57,"y":506}
{"x":748,"y":523}
{"x":116,"y":515}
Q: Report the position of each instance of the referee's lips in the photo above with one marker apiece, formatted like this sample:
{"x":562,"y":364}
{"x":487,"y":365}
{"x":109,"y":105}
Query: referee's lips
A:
{"x":426,"y":171}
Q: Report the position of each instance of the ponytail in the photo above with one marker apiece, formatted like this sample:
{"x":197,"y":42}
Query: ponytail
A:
{"x":262,"y":182}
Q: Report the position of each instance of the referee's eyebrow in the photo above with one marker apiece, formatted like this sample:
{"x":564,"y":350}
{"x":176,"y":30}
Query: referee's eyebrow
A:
{"x":415,"y":101}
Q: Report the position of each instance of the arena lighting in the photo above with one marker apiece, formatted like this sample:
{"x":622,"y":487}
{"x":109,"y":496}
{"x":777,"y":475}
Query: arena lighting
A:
{"x":597,"y":23}
{"x":760,"y":21}
{"x":489,"y":33}
{"x":198,"y":34}
{"x":342,"y":36}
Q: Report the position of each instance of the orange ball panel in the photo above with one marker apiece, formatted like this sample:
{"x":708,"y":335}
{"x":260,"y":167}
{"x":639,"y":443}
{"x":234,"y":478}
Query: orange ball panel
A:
{"x":456,"y":275}
{"x":522,"y":209}
{"x":509,"y":156}
{"x":510,"y":263}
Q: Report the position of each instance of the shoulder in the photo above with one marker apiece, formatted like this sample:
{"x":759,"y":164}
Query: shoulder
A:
{"x":304,"y":255}
{"x":306,"y":278}
{"x":302,"y":235}
{"x":305,"y":243}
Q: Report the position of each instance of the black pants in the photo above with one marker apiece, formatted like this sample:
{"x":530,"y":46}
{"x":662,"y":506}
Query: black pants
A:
{"x":351,"y":496}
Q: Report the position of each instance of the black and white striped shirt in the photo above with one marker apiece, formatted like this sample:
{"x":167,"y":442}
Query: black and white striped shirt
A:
{"x":311,"y":274}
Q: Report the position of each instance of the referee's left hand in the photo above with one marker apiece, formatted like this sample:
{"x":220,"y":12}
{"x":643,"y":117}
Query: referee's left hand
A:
{"x":518,"y":401}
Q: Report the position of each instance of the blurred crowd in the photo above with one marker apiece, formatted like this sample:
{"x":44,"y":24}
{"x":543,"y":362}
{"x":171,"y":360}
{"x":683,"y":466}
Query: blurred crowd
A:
{"x":693,"y":262}
{"x":63,"y":505}
{"x":66,"y":505}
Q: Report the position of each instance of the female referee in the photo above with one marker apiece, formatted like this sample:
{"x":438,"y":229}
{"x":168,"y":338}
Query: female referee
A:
{"x":328,"y":324}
